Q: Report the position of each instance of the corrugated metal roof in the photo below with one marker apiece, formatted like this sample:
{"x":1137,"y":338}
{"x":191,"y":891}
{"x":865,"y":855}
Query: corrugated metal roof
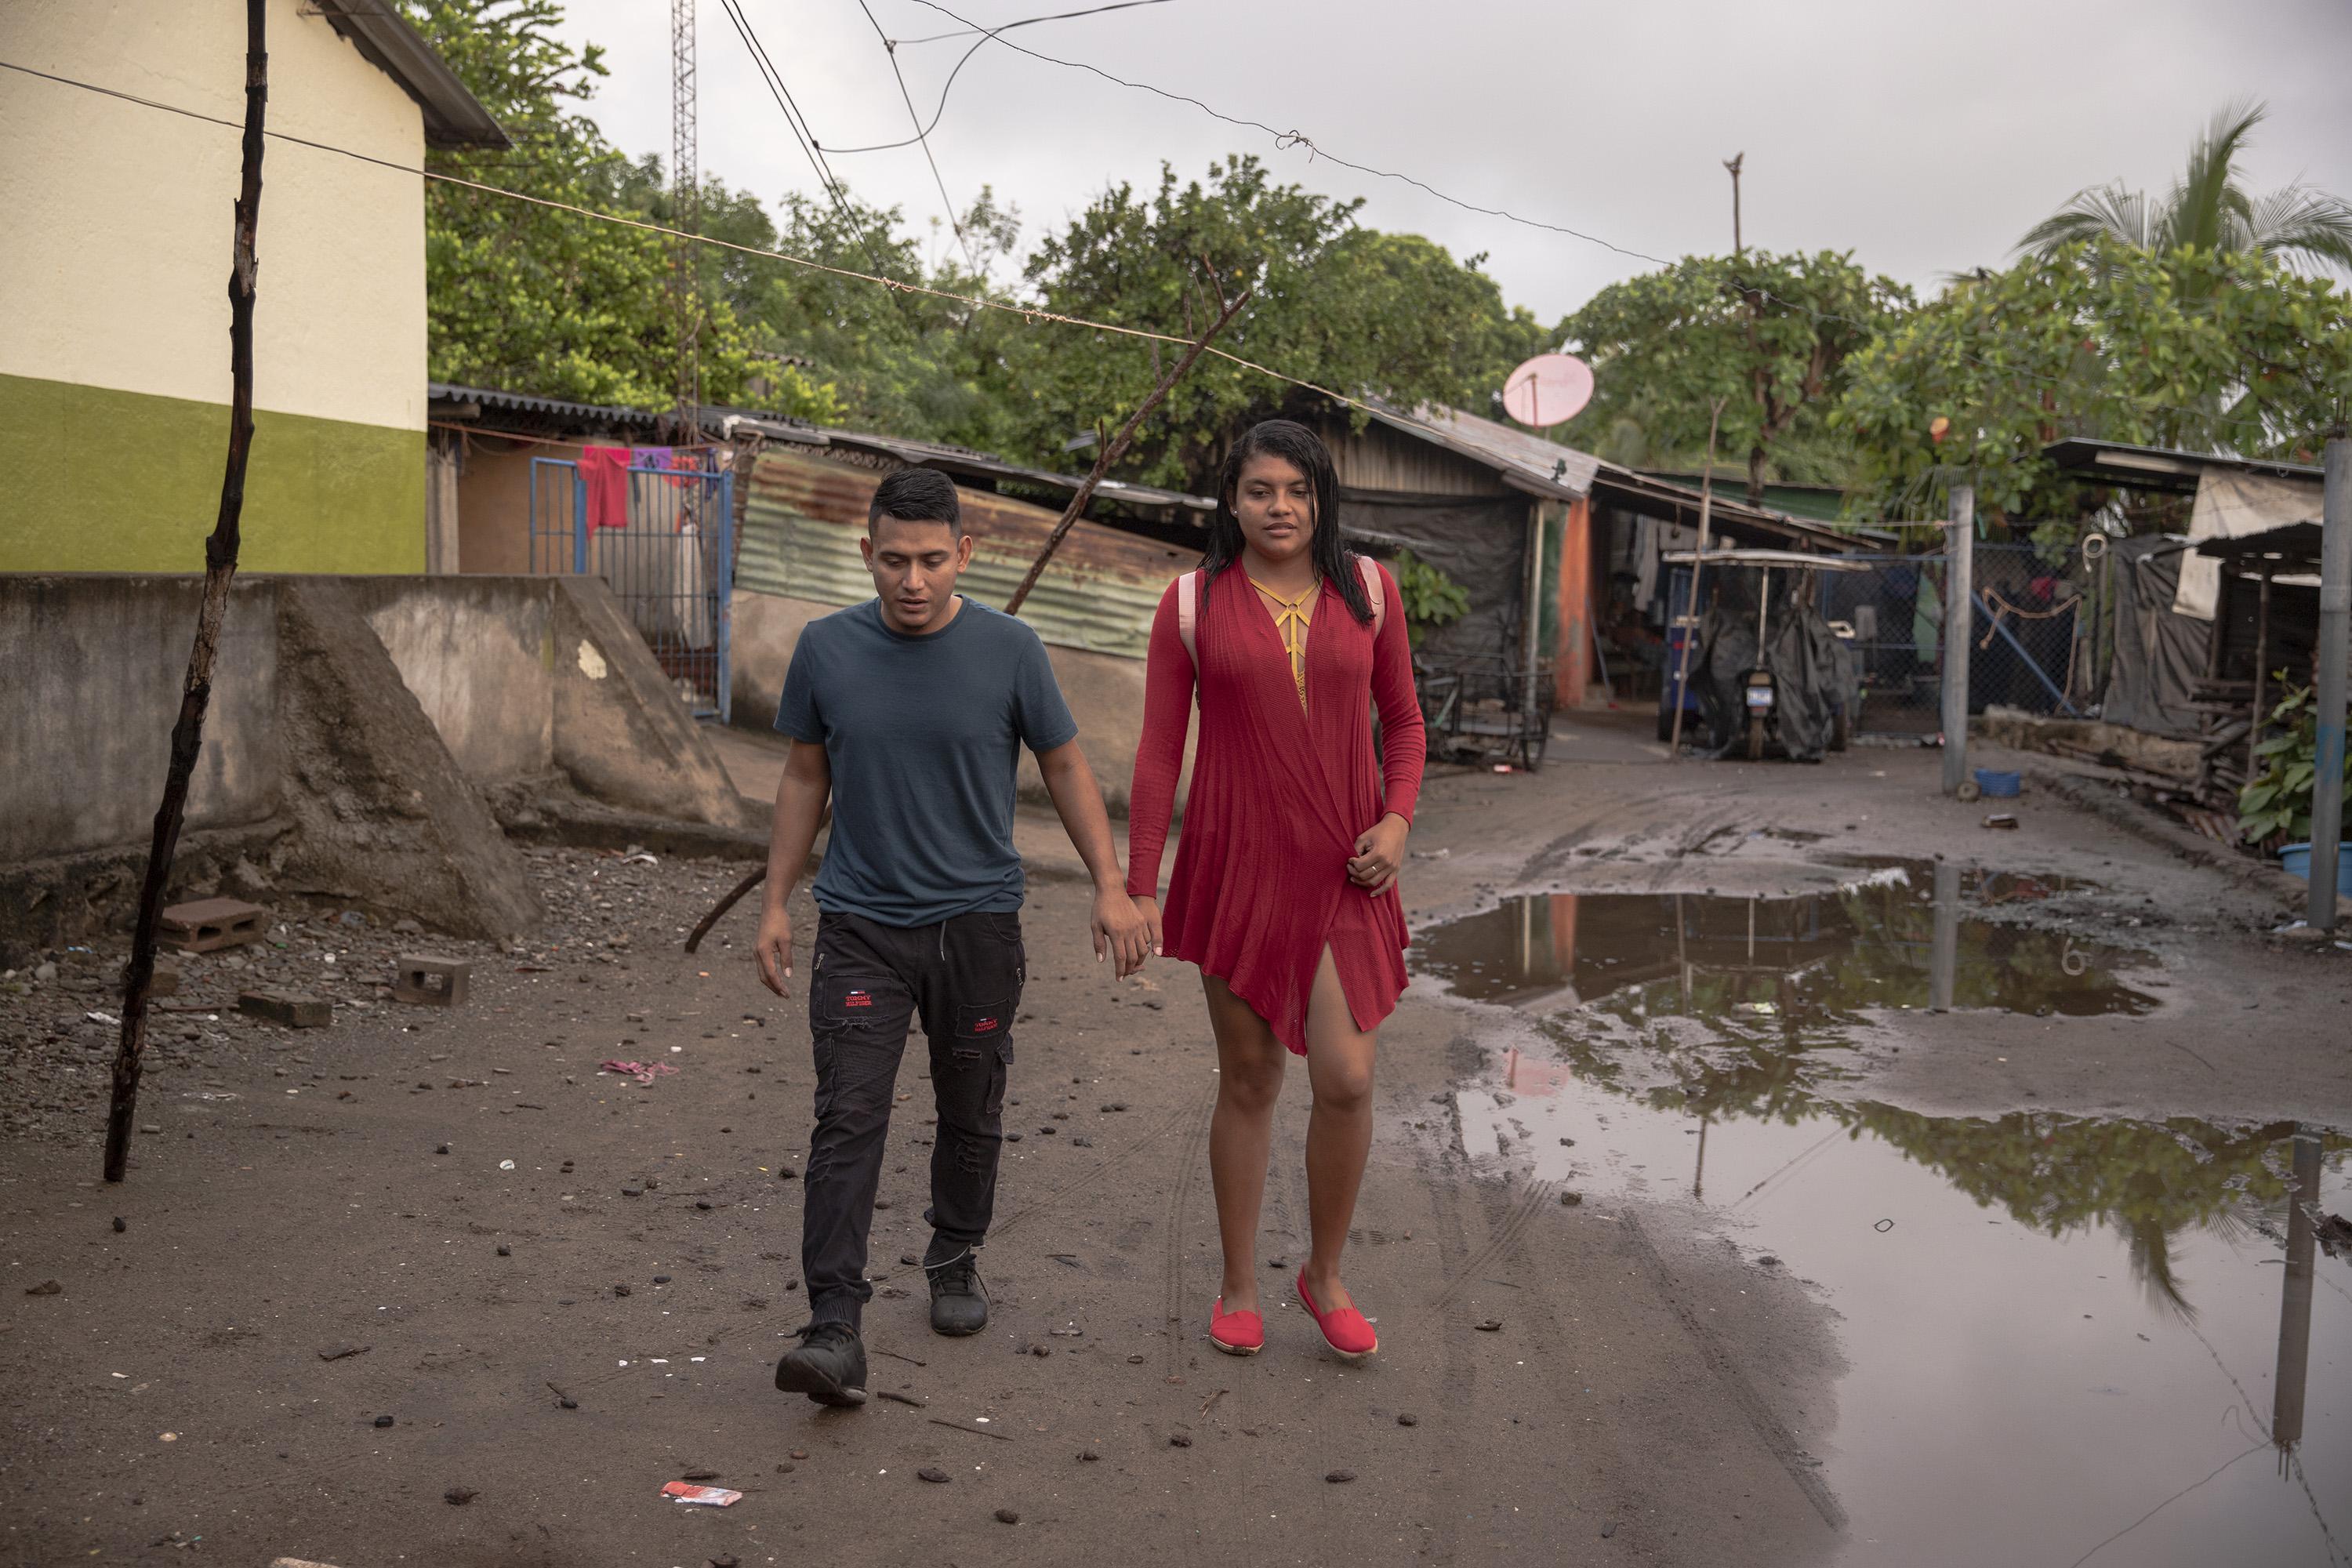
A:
{"x":1525,"y":461}
{"x":966,"y":460}
{"x":453,"y":116}
{"x":805,"y":516}
{"x":1528,"y":462}
{"x":520,"y":403}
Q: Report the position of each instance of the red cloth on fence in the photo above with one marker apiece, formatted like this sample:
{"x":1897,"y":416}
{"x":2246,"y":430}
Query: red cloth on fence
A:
{"x":1279,"y":795}
{"x":605,"y":472}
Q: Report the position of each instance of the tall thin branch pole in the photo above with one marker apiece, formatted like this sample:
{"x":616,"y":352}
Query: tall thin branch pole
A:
{"x":220,"y":566}
{"x":1698,"y":565}
{"x":1116,"y":449}
{"x":1734,"y":162}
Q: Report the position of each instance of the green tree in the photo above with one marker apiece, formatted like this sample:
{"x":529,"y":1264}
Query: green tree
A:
{"x":907,"y":364}
{"x":525,"y":298}
{"x":1769,"y":336}
{"x":2220,"y":350}
{"x":1351,"y":309}
{"x":2207,"y":209}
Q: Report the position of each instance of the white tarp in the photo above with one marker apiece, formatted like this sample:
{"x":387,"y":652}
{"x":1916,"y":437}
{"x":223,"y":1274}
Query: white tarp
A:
{"x":2231,"y":503}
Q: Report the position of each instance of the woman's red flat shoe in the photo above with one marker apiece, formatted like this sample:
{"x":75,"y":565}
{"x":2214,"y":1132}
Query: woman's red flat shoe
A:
{"x":1235,"y":1333}
{"x":1346,"y":1330}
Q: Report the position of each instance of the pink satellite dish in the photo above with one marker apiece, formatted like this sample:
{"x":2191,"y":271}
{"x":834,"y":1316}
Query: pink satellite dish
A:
{"x":1547,"y":390}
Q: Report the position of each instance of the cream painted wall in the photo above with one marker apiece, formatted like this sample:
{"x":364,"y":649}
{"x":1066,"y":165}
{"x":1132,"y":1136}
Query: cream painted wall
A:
{"x":114,"y":258}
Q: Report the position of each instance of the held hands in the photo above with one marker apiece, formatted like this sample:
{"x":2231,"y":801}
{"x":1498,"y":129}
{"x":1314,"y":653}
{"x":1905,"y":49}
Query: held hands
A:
{"x":1380,"y":853}
{"x":773,"y":949}
{"x":1120,"y":931}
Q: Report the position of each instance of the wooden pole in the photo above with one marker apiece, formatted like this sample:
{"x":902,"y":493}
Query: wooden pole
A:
{"x":734,"y":896}
{"x":1698,"y":566}
{"x":220,"y":567}
{"x":1734,"y":163}
{"x":1118,"y":447}
{"x":2334,"y":652}
{"x":1960,"y":642}
{"x":2262,"y":668}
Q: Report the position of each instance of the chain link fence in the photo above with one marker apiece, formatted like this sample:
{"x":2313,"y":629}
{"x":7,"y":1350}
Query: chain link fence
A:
{"x":2032,"y":644}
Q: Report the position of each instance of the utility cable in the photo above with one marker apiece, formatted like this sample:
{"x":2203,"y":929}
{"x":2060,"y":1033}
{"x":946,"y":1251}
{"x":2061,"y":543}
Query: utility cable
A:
{"x":798,"y":122}
{"x":941,"y":109}
{"x":1032,"y":21}
{"x":891,"y":48}
{"x":1285,"y":139}
{"x":1031,"y":314}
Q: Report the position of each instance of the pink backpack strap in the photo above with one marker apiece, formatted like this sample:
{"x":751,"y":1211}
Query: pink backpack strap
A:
{"x":1188,"y":615}
{"x":1371,"y":571}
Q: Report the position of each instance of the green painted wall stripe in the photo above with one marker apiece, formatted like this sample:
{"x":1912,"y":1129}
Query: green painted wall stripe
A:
{"x":124,"y":481}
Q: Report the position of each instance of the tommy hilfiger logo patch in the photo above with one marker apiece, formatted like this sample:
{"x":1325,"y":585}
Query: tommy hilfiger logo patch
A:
{"x":858,"y":999}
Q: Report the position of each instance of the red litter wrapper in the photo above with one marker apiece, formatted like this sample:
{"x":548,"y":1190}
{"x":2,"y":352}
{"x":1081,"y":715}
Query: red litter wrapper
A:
{"x":701,"y":1496}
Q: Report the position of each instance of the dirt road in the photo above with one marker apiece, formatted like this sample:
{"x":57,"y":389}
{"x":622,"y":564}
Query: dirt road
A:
{"x":316,"y":1331}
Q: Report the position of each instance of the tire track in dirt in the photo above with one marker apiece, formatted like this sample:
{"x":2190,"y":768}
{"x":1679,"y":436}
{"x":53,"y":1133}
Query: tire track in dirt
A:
{"x":1190,"y":1161}
{"x":1504,"y":1236}
{"x":1776,"y":1438}
{"x":1457,"y":1384}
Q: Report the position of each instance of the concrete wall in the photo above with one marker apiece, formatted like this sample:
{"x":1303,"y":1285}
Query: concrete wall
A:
{"x":518,"y":677}
{"x":95,"y":668}
{"x":479,"y":654}
{"x":113,"y":265}
{"x":494,"y":502}
{"x":1105,"y":692}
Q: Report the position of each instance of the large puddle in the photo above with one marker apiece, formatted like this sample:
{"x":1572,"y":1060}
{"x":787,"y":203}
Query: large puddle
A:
{"x":1902,"y":937}
{"x":2069,"y":1340}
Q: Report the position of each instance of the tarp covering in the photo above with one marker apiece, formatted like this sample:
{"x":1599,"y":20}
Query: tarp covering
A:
{"x":1480,"y":543}
{"x":2160,"y":653}
{"x":1812,"y":671}
{"x":2231,"y":503}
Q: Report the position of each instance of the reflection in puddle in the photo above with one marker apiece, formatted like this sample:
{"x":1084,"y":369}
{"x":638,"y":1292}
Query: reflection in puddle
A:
{"x":2054,"y":1324}
{"x":1899,"y":939}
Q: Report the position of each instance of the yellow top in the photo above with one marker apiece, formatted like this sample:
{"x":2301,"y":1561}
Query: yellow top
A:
{"x":1290,"y":621}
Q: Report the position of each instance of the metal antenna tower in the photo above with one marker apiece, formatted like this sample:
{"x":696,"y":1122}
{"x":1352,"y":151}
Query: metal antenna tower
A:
{"x":686,"y":198}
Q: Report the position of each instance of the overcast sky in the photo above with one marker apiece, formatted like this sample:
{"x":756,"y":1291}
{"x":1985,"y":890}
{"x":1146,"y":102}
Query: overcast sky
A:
{"x":1925,"y":138}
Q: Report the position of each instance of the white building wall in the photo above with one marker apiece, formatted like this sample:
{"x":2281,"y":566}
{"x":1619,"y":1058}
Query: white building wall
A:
{"x":115,"y":255}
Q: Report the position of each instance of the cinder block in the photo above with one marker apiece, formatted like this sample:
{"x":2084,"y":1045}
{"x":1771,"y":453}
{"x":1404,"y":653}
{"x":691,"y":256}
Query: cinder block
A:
{"x":207,"y":924}
{"x":291,"y":1009}
{"x":430,"y":980}
{"x":166,"y":981}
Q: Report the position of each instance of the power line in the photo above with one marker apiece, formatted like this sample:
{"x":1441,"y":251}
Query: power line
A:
{"x":1031,"y":314}
{"x":1285,"y":139}
{"x":799,"y":129}
{"x":891,"y":49}
{"x":1032,"y":21}
{"x":940,"y":110}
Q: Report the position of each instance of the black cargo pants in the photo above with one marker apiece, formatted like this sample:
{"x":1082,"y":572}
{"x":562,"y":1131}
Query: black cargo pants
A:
{"x":867,"y":983}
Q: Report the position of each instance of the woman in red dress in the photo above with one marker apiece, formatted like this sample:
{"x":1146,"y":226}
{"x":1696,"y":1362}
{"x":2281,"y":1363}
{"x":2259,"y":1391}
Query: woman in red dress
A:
{"x":1284,"y":889}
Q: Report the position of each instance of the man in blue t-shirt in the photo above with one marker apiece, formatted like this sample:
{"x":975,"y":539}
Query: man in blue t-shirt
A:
{"x":910,"y":712}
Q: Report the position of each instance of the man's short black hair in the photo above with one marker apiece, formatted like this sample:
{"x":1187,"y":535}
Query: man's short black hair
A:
{"x":915,"y":495}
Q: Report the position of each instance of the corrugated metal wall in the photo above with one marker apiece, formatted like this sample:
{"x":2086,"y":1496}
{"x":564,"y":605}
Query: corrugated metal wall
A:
{"x":807,"y":515}
{"x":1379,"y":458}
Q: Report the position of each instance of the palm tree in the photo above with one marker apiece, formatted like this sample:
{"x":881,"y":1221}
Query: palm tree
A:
{"x":2208,"y":209}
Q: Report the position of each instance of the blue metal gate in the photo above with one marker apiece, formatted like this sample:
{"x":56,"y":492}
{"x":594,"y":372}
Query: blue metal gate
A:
{"x":660,"y":530}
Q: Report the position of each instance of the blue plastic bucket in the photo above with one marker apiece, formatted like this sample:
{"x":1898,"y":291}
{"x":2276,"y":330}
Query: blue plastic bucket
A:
{"x":1995,"y":784}
{"x":2296,"y":860}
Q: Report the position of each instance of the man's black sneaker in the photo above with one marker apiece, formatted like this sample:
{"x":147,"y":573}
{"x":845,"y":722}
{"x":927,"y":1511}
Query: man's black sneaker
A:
{"x":958,"y":1301}
{"x":828,"y":1365}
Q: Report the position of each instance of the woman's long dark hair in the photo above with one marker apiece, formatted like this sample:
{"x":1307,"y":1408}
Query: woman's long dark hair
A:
{"x":1296,"y":445}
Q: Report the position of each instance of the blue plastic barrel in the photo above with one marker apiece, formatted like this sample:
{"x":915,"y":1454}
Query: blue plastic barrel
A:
{"x":2296,"y":860}
{"x":1995,"y":784}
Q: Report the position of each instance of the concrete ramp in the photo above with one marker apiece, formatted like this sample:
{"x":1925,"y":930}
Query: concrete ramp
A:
{"x":361,"y":728}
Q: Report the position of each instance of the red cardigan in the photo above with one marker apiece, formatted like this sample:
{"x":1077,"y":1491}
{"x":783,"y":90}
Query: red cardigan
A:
{"x":1279,"y":795}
